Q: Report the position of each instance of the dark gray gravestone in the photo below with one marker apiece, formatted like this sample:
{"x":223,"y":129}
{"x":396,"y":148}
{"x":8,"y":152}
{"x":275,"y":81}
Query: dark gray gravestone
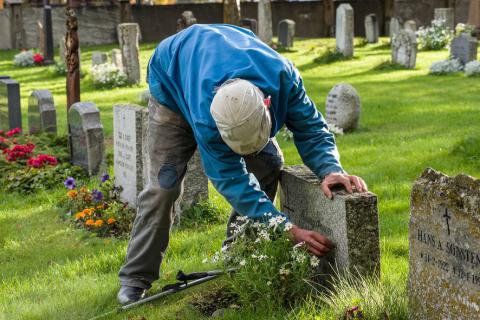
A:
{"x":86,"y":131}
{"x":129,"y":147}
{"x":444,"y":238}
{"x":249,"y":23}
{"x":371,"y":28}
{"x":350,"y":221}
{"x":4,"y":77}
{"x":286,"y":32}
{"x":42,"y":116}
{"x":186,"y":20}
{"x":48,"y":32}
{"x":464,"y":48}
{"x":10,"y":111}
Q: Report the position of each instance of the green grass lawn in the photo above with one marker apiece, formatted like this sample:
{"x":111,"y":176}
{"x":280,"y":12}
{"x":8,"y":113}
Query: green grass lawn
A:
{"x":409,"y":121}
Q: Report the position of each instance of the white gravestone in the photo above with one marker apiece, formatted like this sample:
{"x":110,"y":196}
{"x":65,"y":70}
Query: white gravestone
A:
{"x":344,"y":30}
{"x":371,"y":28}
{"x":99,"y":58}
{"x":343,"y":107}
{"x":394,"y":27}
{"x":116,"y":57}
{"x":410,"y":25}
{"x":129,"y":130}
{"x":404,"y":49}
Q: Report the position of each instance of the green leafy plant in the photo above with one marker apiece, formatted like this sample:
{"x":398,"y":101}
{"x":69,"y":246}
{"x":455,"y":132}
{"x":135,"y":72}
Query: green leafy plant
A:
{"x":270,"y":269}
{"x":59,"y":68}
{"x":203,"y":213}
{"x":98,"y":210}
{"x":330,"y":56}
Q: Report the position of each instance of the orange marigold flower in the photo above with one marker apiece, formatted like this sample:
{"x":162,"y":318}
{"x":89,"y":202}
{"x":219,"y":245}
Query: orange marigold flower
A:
{"x":100,"y":207}
{"x":72,"y":194}
{"x":89,"y":222}
{"x":99,"y":223}
{"x":87,"y":211}
{"x":111,"y":221}
{"x":79,"y":215}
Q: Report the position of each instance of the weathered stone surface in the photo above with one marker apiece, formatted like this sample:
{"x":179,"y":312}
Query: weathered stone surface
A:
{"x":42,"y":116}
{"x":232,"y":12}
{"x":464,"y":48}
{"x":10,"y":111}
{"x":350,"y":221}
{"x":286,"y":33}
{"x":99,"y":58}
{"x":195,"y":185}
{"x":116,"y":57}
{"x":265,"y":32}
{"x":444,"y":235}
{"x":404,"y":49}
{"x":394,"y":27}
{"x":40,"y":37}
{"x":128,"y":40}
{"x":344,"y":30}
{"x":86,"y":136}
{"x":61,"y":49}
{"x":410,"y":25}
{"x":447,"y":15}
{"x":186,"y":20}
{"x":343,"y":107}
{"x":129,"y":147}
{"x":372,"y":30}
{"x":250,"y":24}
{"x":5,"y":32}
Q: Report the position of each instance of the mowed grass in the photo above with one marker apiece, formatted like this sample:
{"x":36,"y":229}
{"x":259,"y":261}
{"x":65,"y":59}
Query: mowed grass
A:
{"x":409,"y":121}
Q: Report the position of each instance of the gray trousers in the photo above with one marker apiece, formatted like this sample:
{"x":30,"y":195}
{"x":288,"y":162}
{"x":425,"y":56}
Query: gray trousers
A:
{"x":171,"y":144}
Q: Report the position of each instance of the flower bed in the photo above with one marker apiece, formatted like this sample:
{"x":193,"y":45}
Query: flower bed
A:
{"x":27,"y":163}
{"x":435,"y":37}
{"x":98,"y":210}
{"x":27,"y":58}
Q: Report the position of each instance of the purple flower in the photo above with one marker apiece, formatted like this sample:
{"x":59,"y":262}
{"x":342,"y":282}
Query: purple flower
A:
{"x":70,"y":183}
{"x":97,"y":195}
{"x":105,"y":177}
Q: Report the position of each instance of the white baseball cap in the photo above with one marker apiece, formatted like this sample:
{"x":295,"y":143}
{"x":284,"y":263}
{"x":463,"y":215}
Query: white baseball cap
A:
{"x":242,"y":117}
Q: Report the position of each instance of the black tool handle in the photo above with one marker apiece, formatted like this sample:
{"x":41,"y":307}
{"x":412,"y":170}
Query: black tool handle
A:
{"x":181,"y":276}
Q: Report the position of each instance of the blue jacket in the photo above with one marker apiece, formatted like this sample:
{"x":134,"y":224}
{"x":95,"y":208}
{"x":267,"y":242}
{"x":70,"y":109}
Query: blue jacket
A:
{"x":183,"y":73}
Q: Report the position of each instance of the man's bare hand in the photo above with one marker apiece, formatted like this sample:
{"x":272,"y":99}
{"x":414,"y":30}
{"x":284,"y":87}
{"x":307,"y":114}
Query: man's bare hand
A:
{"x":346,"y":180}
{"x":316,"y":243}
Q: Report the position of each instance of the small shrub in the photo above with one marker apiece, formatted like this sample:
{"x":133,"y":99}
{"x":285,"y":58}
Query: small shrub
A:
{"x":98,"y":210}
{"x":435,"y":37}
{"x":445,"y":67}
{"x":60,"y":68}
{"x":270,"y":269}
{"x":464,"y":28}
{"x":330,"y":56}
{"x":24,"y":58}
{"x":108,"y":75}
{"x":472,"y":68}
{"x":203,"y":213}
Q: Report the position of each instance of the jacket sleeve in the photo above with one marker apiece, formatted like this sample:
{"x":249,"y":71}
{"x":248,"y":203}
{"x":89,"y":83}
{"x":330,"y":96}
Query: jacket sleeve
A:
{"x":315,"y":144}
{"x":227,"y":172}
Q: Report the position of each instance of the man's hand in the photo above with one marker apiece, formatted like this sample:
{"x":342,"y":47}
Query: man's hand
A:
{"x":346,"y":180}
{"x":316,"y":243}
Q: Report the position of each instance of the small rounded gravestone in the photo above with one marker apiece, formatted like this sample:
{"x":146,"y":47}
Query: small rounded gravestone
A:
{"x":343,"y":107}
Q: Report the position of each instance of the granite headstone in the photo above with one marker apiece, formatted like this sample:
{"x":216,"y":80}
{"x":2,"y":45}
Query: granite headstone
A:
{"x":444,"y":237}
{"x":464,"y":48}
{"x":99,"y":58}
{"x":394,"y":26}
{"x":128,"y":40}
{"x":42,"y":116}
{"x":86,"y":132}
{"x":404,"y":49}
{"x":371,"y":28}
{"x":249,"y":24}
{"x":410,"y":25}
{"x":116,"y":57}
{"x":350,"y":221}
{"x":286,"y":33}
{"x":344,"y":30}
{"x":10,"y":111}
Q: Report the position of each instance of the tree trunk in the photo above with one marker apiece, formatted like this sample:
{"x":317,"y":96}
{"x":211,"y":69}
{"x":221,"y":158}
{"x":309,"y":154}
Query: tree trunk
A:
{"x":231,"y":12}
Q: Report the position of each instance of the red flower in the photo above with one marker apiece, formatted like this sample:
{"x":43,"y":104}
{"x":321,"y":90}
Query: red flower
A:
{"x":14,"y":132}
{"x":37,"y":58}
{"x":42,"y":160}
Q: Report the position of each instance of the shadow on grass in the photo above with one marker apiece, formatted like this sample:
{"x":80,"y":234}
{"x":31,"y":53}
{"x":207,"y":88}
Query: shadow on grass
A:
{"x":388,"y":66}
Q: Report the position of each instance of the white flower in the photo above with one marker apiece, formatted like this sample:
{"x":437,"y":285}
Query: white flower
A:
{"x":300,"y":257}
{"x":445,"y":66}
{"x":243,"y":262}
{"x":298,"y":245}
{"x":264,"y":235}
{"x":269,"y":283}
{"x":205,"y":260}
{"x":216,"y":257}
{"x":314,"y":261}
{"x":288,"y":226}
{"x":472,"y":68}
{"x":262,"y":257}
{"x":284,"y":272}
{"x":224,"y":248}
